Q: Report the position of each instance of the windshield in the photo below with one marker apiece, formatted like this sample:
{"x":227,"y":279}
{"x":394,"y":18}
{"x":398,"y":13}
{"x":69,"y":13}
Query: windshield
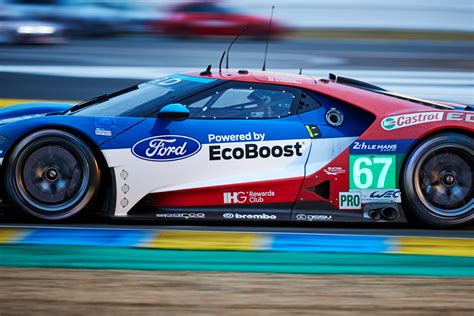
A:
{"x":148,"y":97}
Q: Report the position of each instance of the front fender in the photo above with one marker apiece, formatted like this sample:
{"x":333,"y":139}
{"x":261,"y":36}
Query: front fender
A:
{"x":31,"y":109}
{"x":96,"y":129}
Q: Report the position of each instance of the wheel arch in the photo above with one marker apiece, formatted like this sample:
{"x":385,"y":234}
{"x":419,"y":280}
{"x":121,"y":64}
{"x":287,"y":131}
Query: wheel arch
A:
{"x":421,"y":140}
{"x":410,"y":151}
{"x":107,"y":180}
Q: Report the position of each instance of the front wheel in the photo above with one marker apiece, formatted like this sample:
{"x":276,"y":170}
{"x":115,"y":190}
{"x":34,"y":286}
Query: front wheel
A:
{"x":438,"y":180}
{"x":52,"y":175}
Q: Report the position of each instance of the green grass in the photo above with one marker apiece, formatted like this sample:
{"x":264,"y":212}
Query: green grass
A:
{"x":229,"y":261}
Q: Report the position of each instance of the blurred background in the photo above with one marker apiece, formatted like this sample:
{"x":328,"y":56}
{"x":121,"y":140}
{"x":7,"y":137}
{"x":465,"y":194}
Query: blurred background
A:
{"x":75,"y":49}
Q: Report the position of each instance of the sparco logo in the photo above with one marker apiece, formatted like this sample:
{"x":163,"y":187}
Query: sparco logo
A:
{"x":399,"y":121}
{"x":251,"y":151}
{"x":166,"y":148}
{"x":262,"y":216}
{"x":181,"y":215}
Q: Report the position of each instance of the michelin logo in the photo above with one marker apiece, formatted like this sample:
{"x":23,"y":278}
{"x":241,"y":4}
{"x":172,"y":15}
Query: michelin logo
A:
{"x":103,"y":132}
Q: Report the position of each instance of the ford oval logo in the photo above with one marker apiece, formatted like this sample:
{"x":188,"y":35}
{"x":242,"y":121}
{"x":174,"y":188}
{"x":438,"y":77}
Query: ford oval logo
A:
{"x":166,"y":148}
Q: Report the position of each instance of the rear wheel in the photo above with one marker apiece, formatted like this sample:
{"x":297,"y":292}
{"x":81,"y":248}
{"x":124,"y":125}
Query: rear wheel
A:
{"x":52,"y":175}
{"x":438,"y":180}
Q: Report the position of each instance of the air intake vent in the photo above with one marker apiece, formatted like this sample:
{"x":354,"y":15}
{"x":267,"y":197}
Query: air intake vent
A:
{"x":323,"y":189}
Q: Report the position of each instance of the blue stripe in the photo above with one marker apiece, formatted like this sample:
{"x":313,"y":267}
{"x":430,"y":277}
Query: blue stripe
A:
{"x":330,"y":243}
{"x":195,"y":79}
{"x":88,"y":237}
{"x":395,"y":146}
{"x":288,"y":128}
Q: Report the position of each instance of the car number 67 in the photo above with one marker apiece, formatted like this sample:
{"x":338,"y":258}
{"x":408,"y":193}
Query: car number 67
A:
{"x":372,"y":172}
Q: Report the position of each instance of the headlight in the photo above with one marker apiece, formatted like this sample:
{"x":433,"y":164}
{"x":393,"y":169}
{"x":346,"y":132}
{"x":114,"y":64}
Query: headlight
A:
{"x":31,"y":29}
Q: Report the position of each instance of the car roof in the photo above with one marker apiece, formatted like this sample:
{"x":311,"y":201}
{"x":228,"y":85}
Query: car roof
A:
{"x":356,"y":93}
{"x":268,"y":77}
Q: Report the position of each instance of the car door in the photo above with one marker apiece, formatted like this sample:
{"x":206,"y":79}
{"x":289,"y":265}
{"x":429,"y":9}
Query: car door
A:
{"x":242,"y":149}
{"x":333,"y":126}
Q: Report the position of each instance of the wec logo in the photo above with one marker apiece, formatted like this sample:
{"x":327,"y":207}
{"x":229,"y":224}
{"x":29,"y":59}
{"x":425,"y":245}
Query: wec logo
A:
{"x":388,"y":196}
{"x":399,"y":121}
{"x":166,"y":148}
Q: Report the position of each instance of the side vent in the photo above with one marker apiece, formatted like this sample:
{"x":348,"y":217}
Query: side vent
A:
{"x":323,"y":189}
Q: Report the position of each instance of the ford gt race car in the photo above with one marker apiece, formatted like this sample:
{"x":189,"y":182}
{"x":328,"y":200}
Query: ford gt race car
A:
{"x":240,"y":146}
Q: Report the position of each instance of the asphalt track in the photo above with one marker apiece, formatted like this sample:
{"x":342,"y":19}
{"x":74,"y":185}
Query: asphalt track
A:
{"x":86,"y":68}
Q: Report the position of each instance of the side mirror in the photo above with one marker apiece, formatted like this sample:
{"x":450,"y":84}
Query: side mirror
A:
{"x":174,"y":112}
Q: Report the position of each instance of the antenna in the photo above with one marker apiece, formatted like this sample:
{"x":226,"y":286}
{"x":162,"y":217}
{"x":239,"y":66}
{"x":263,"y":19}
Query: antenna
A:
{"x":268,"y":38}
{"x":232,"y":43}
{"x":206,"y":72}
{"x":301,"y":71}
{"x":220,"y":62}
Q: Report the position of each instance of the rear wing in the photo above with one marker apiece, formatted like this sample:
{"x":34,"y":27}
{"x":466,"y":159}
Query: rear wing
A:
{"x":373,"y":88}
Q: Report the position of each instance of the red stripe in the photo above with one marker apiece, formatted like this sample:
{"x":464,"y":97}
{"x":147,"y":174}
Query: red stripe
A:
{"x":264,"y":192}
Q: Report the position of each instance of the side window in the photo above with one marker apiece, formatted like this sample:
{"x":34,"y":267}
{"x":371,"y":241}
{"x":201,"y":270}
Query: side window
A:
{"x":307,"y":103}
{"x":243,"y":102}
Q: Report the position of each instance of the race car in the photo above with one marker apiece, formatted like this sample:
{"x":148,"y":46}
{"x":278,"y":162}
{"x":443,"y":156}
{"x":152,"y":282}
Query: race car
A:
{"x":237,"y":145}
{"x":211,"y":18}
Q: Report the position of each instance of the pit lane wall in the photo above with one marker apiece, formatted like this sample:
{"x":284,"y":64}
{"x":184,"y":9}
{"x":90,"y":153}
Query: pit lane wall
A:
{"x":235,"y":251}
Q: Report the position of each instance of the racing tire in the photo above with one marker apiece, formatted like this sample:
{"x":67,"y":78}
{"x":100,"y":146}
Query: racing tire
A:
{"x":52,"y":175}
{"x":437,"y":181}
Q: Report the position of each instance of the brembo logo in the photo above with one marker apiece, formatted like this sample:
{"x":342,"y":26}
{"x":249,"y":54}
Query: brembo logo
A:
{"x":262,"y":216}
{"x":399,"y":121}
{"x":166,"y":148}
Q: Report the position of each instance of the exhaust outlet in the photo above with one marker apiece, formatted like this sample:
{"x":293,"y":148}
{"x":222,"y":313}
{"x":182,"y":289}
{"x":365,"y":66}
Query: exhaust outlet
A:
{"x":390,"y":213}
{"x":374,"y":214}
